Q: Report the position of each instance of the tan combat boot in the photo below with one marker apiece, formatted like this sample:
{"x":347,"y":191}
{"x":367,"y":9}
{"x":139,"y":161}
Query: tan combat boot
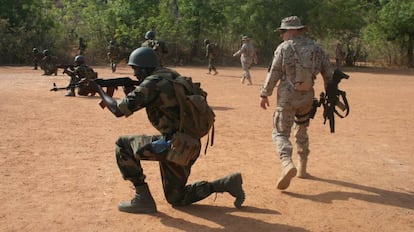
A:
{"x":302,"y":168}
{"x":288,"y":172}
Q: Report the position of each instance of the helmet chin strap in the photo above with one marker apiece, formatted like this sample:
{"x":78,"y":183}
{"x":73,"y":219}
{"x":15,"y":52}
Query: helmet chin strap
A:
{"x":141,"y":73}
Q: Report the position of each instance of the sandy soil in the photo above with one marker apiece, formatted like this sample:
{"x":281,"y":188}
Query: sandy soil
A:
{"x":58,"y":171}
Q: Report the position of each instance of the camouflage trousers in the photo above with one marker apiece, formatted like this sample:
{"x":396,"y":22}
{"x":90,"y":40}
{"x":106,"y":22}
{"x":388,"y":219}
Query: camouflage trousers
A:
{"x":246,"y":65}
{"x":131,"y":149}
{"x":286,"y":116}
{"x":211,"y":65}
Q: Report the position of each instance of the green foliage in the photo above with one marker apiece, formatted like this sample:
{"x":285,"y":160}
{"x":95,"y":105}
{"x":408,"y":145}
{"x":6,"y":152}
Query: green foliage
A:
{"x":394,"y":26}
{"x":361,"y":25}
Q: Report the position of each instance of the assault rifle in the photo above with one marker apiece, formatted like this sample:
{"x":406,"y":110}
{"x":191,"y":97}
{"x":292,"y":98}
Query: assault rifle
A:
{"x":110,"y":84}
{"x":331,"y":100}
{"x":65,"y":67}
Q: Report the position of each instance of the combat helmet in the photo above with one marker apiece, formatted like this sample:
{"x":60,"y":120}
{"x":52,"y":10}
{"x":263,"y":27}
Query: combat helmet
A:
{"x":143,"y":57}
{"x":150,"y":35}
{"x":45,"y":52}
{"x":206,"y":41}
{"x":79,"y":59}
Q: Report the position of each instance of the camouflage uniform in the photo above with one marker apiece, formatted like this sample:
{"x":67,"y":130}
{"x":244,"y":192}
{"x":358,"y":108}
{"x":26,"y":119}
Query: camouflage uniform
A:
{"x":37,"y":58}
{"x":247,"y":57}
{"x":113,"y":55}
{"x":157,"y":96}
{"x":160,"y":48}
{"x":211,"y":56}
{"x":82,"y":46}
{"x":339,"y":55}
{"x":82,"y":72}
{"x":48,"y":65}
{"x":293,"y":107}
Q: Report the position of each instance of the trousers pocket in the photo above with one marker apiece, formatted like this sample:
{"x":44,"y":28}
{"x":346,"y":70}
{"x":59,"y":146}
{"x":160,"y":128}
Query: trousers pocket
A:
{"x":183,"y":149}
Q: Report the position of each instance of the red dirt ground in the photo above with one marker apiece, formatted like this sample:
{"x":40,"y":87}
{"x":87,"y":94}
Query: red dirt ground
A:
{"x":58,"y":171}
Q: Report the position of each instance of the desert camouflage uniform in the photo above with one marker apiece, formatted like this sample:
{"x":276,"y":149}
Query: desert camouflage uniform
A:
{"x":157,"y":96}
{"x":293,"y":107}
{"x":247,"y":57}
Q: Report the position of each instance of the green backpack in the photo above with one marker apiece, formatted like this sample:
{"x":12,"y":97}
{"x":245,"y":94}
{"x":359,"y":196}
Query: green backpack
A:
{"x":196,"y":116}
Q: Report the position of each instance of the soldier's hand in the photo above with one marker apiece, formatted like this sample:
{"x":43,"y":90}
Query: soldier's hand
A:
{"x":92,"y":84}
{"x":264,"y":102}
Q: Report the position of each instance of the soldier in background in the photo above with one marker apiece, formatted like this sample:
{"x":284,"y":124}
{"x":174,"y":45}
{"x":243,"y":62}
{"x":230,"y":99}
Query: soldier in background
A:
{"x":113,"y":54}
{"x":37,"y":58}
{"x":339,"y":55}
{"x":82,"y":73}
{"x":82,"y":46}
{"x":211,"y":54}
{"x":48,"y":63}
{"x":248,"y":56}
{"x":160,"y":47}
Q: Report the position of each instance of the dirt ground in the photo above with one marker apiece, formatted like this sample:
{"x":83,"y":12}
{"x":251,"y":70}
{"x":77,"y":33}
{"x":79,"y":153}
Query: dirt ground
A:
{"x":58,"y":170}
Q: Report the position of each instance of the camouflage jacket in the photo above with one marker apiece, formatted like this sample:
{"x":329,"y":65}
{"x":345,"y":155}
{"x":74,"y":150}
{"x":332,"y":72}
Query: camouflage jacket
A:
{"x":84,"y":71}
{"x":113,"y":50}
{"x":211,"y":51}
{"x":283,"y":69}
{"x":247,"y":52}
{"x":157,"y":96}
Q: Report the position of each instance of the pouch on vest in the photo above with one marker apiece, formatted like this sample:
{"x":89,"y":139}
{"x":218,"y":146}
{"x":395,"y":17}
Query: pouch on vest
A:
{"x":184,"y":149}
{"x":304,"y":63}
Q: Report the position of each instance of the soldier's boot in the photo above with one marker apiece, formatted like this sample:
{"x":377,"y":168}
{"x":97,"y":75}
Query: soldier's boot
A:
{"x":232,"y":184}
{"x":141,"y":203}
{"x":242,"y":79}
{"x":288,"y":172}
{"x":71,"y":93}
{"x":302,"y":168}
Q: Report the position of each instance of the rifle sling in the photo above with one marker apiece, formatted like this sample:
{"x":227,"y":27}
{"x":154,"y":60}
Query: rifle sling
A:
{"x":345,"y":100}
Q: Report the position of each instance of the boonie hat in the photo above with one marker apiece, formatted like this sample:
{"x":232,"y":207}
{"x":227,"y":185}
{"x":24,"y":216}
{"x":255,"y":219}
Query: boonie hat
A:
{"x":245,"y":37}
{"x":291,"y":22}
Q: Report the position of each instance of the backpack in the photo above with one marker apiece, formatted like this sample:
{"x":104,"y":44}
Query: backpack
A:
{"x":197,"y":117}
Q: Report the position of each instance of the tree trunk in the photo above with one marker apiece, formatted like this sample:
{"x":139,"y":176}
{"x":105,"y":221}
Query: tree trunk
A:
{"x":410,"y":50}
